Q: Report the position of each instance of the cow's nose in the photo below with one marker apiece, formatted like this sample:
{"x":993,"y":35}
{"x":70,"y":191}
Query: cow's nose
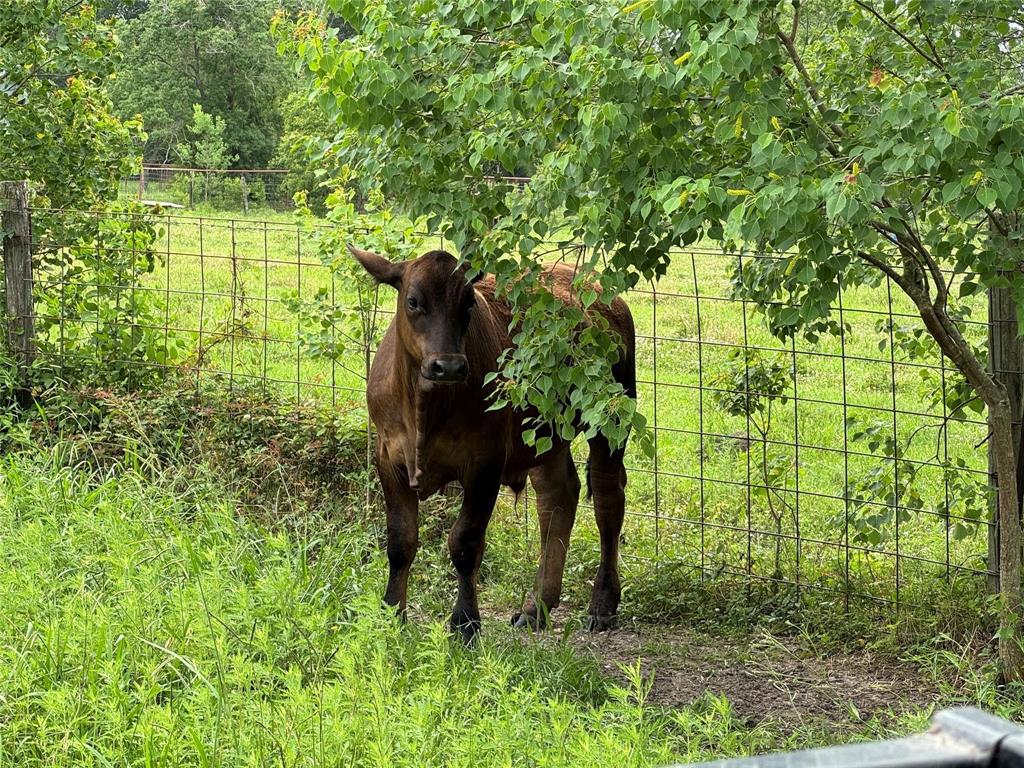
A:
{"x":448,"y":369}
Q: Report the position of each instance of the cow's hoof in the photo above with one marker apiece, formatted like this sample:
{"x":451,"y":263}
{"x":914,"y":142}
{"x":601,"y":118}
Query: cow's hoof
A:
{"x":601,"y":623}
{"x":465,"y":627}
{"x":528,"y":621}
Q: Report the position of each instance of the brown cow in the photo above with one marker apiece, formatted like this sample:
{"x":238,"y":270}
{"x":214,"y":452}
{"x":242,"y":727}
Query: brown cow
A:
{"x":427,"y":398}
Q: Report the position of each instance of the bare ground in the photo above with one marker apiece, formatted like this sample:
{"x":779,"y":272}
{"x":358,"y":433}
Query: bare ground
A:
{"x":764,"y":677}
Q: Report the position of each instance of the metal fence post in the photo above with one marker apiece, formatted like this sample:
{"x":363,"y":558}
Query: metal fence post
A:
{"x":17,"y":258}
{"x":1006,"y":362}
{"x":245,"y":192}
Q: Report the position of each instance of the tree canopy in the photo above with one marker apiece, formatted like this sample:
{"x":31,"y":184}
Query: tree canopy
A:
{"x":58,"y":129}
{"x":886,"y":144}
{"x":218,"y":54}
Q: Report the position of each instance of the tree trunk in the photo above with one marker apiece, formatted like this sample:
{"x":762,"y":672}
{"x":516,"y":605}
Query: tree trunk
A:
{"x":944,"y":330}
{"x":1006,"y":364}
{"x":1011,"y":656}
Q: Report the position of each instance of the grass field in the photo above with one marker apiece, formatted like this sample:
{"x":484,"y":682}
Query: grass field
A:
{"x":177,"y":592}
{"x":143,"y":627}
{"x":149,"y":620}
{"x":695,"y":512}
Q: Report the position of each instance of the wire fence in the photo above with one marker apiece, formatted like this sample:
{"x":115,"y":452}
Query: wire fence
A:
{"x":243,"y":190}
{"x":834,"y":468}
{"x":229,"y":190}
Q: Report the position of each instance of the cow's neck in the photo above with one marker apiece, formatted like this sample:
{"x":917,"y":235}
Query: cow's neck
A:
{"x":422,"y":408}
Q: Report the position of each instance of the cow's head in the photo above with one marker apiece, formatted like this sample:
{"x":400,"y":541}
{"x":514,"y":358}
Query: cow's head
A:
{"x":435,"y":299}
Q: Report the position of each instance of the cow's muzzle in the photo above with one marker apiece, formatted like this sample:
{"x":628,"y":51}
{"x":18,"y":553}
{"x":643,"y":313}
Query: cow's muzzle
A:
{"x":445,"y":369}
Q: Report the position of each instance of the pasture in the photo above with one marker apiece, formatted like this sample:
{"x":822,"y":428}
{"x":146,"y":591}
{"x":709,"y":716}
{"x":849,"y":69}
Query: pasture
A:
{"x":221,"y":566}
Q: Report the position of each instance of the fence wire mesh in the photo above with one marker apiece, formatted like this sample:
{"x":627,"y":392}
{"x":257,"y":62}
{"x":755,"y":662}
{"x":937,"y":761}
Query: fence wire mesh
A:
{"x":832,"y":468}
{"x":240,"y":190}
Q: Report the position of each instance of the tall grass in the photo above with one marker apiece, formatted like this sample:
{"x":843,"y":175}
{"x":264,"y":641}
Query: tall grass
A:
{"x":143,"y":626}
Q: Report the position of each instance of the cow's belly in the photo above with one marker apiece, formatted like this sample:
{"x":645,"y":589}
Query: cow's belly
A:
{"x":447,"y":461}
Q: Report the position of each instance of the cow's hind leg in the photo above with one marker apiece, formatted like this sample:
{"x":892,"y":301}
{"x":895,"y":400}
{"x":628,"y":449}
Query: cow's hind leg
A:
{"x":403,"y":533}
{"x":557,"y":486}
{"x":607,"y":478}
{"x":466,"y":546}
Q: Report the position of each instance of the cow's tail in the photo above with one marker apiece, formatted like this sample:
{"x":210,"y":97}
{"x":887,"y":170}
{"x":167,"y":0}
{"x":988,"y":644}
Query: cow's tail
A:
{"x":586,"y":472}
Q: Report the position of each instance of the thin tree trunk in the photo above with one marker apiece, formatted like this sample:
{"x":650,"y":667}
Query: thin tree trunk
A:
{"x":1011,"y":656}
{"x":1000,"y":417}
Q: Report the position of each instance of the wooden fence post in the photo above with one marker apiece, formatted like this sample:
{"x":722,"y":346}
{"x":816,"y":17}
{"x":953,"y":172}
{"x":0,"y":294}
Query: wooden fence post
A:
{"x":17,"y":256}
{"x":1006,"y":362}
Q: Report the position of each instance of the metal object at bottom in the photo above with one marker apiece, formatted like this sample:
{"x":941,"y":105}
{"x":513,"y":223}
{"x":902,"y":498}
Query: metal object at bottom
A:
{"x":958,"y":738}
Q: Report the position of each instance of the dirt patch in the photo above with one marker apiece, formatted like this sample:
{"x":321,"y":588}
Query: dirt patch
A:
{"x":765,"y":677}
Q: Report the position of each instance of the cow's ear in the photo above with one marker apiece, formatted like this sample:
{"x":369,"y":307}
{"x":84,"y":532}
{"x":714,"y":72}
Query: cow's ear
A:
{"x":380,"y":269}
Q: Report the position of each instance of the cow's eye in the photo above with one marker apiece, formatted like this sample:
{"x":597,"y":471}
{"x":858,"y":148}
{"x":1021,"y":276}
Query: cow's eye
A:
{"x":414,"y":306}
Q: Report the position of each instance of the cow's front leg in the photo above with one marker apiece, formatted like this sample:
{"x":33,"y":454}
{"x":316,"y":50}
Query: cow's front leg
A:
{"x":466,"y":545}
{"x":403,"y":533}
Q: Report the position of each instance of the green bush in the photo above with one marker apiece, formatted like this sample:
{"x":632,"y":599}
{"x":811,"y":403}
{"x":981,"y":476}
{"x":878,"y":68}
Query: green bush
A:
{"x":98,"y":323}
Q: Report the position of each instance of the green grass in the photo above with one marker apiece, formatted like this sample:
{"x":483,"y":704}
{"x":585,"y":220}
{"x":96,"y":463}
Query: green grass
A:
{"x":694,"y":521}
{"x":147,"y":622}
{"x":163,"y":606}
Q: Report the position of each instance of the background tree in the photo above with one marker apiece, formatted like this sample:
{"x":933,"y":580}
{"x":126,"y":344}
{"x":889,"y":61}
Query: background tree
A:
{"x":59,"y":133}
{"x":120,"y":9}
{"x":58,"y":129}
{"x":304,"y":150}
{"x":218,"y":54}
{"x":887,"y":146}
{"x":204,"y":145}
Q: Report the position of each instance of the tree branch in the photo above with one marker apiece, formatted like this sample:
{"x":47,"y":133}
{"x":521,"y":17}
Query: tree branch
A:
{"x":903,"y":36}
{"x":794,"y":56}
{"x":889,"y":271}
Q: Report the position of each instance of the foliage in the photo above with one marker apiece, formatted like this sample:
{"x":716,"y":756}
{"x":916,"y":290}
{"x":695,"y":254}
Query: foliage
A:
{"x":891,"y":491}
{"x":203,"y":145}
{"x":329,"y":329}
{"x":57,"y":126}
{"x":749,"y":387}
{"x":887,"y":493}
{"x":278,"y":459}
{"x":60,"y":134}
{"x":218,"y":54}
{"x":757,"y":162}
{"x":101,"y":324}
{"x":120,"y":9}
{"x":304,"y":150}
{"x":751,"y":383}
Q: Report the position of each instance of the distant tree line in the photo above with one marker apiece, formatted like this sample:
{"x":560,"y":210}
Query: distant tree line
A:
{"x":210,"y":70}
